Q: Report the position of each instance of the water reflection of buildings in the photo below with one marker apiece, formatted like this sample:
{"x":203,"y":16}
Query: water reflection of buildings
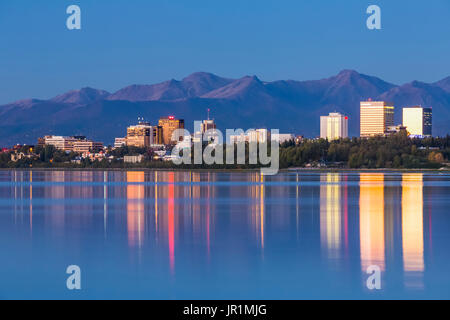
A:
{"x":171,"y":220}
{"x":257,"y":194}
{"x":330,"y":213}
{"x":261,"y":210}
{"x":56,"y":191}
{"x":371,"y":220}
{"x":135,"y":208}
{"x":182,"y":208}
{"x":412,"y":228}
{"x":202,"y":219}
{"x":380,"y":229}
{"x":31,"y":202}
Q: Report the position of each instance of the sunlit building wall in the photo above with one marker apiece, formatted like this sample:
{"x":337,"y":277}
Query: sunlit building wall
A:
{"x":418,"y":121}
{"x":169,"y":125}
{"x":140,"y":135}
{"x":60,"y":142}
{"x":376,"y":117}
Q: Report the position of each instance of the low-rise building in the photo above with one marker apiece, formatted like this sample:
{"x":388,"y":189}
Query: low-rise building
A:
{"x":20,"y":155}
{"x":238,"y":138}
{"x":284,"y":137}
{"x":133,"y":159}
{"x":60,"y":142}
{"x":395,"y":129}
{"x":299,"y":139}
{"x":251,"y":136}
{"x":87,"y":146}
{"x":120,"y":142}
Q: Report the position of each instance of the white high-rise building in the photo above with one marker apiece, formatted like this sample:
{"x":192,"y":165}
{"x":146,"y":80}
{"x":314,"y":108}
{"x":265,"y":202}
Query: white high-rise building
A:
{"x":258,"y":135}
{"x":333,"y":126}
{"x":418,"y":121}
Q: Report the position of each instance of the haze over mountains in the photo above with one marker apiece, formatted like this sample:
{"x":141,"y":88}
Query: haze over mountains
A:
{"x":248,"y":102}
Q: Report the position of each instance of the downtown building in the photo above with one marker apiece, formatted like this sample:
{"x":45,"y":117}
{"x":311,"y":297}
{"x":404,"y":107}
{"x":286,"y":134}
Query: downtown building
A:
{"x":376,"y":118}
{"x":207,"y":129}
{"x":168,"y":126}
{"x":251,"y":136}
{"x":418,"y":121}
{"x":142,"y":135}
{"x":334,"y":126}
{"x":207,"y":125}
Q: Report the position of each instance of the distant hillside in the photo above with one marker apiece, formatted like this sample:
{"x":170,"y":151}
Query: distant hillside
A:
{"x":248,"y":102}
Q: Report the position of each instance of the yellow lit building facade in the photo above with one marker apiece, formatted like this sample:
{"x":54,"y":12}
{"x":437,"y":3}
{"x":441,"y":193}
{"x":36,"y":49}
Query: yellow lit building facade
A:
{"x":141,"y":135}
{"x":169,"y":125}
{"x":376,"y":117}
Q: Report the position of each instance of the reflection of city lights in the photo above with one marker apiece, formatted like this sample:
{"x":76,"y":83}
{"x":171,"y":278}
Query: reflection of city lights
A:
{"x":156,"y":200}
{"x":135,"y":207}
{"x":171,"y":227}
{"x":31,"y":201}
{"x":261,"y":208}
{"x":412,"y":224}
{"x":330,"y":212}
{"x":371,"y":220}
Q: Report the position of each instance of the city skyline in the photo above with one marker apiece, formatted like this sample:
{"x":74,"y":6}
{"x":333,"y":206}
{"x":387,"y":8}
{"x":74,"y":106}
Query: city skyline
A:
{"x":291,"y":106}
{"x":377,"y":119}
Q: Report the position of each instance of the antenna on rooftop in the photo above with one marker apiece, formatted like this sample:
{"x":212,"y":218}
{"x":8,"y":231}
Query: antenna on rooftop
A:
{"x":208,"y":112}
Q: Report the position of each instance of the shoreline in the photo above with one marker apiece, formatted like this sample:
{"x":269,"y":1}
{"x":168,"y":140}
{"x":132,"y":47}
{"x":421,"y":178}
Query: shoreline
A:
{"x":443,"y":170}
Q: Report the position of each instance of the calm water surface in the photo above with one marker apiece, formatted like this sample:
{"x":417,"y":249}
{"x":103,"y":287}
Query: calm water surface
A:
{"x":221,"y":235}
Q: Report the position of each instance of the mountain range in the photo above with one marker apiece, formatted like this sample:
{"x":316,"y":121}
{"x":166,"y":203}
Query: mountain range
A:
{"x":248,"y":102}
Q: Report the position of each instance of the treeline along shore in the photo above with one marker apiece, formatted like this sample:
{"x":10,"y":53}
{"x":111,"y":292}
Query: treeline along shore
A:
{"x":393,"y":152}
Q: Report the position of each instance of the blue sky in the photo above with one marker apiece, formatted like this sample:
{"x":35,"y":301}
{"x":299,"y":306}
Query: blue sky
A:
{"x":145,"y":41}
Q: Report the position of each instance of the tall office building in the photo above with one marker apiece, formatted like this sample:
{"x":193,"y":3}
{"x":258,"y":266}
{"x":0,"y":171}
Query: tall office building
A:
{"x":207,"y":125}
{"x":376,"y":117}
{"x":333,"y":126}
{"x":418,"y":121}
{"x":140,"y":135}
{"x":169,"y":125}
{"x":157,"y":135}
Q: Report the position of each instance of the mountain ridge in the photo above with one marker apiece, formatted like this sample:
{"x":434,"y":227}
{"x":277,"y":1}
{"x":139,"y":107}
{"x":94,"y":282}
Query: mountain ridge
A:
{"x":289,"y":105}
